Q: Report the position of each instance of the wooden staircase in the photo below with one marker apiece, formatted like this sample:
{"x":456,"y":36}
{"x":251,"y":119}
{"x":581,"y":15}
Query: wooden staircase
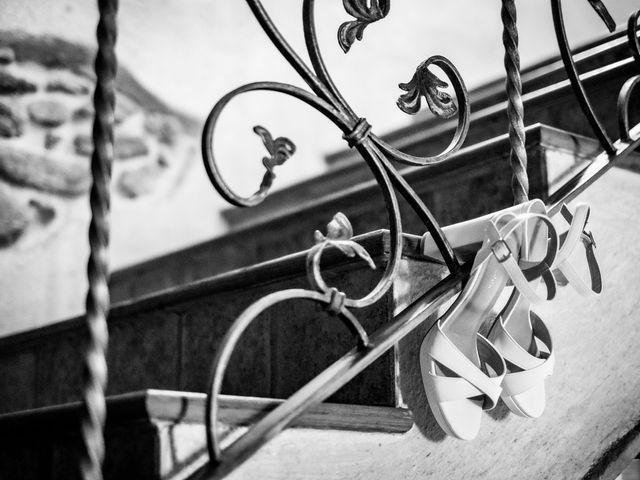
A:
{"x":167,"y":340}
{"x":170,"y":313}
{"x":286,"y":220}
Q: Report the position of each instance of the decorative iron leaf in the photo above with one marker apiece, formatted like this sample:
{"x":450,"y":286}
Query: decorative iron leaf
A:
{"x":339,"y":233}
{"x":280,"y":149}
{"x":426,"y":84}
{"x":360,"y":251}
{"x":365,"y":12}
{"x":606,"y":17}
{"x":339,"y":228}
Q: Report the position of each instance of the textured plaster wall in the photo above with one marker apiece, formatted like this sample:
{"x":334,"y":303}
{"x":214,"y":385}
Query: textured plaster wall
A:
{"x":191,"y":53}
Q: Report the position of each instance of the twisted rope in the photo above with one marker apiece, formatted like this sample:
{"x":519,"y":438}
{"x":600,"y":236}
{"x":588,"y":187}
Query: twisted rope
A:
{"x":97,"y":301}
{"x":515,"y":109}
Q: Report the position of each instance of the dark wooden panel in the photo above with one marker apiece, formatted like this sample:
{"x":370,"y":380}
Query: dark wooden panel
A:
{"x":144,"y":350}
{"x":17,"y":380}
{"x":205,"y":323}
{"x":306,"y":339}
{"x":168,"y":340}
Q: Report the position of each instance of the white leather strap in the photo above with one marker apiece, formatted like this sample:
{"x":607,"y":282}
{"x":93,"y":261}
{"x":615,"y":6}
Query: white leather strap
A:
{"x":562,"y":269}
{"x":507,"y":260}
{"x":444,"y":352}
{"x":534,"y":368}
{"x":517,"y":354}
{"x":519,"y":382}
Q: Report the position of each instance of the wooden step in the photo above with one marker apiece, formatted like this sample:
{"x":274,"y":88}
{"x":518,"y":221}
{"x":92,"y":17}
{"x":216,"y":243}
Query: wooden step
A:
{"x":548,"y":99}
{"x":285,"y":221}
{"x":157,"y":434}
{"x":167,"y":340}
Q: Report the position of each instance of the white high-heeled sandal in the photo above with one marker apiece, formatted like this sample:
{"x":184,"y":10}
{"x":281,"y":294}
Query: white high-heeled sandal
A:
{"x":563,"y":270}
{"x":521,"y":336}
{"x":461,"y":370}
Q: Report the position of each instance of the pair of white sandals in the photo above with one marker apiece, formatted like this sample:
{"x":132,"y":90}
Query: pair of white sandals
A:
{"x":465,"y":373}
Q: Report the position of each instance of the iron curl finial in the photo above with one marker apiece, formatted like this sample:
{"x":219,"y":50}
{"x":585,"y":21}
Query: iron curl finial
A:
{"x":339,"y":233}
{"x":365,"y":13}
{"x":280,"y":150}
{"x":426,"y":84}
{"x":603,"y":13}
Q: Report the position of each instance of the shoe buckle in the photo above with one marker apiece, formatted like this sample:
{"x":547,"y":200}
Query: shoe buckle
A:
{"x":587,"y":238}
{"x":501,"y":250}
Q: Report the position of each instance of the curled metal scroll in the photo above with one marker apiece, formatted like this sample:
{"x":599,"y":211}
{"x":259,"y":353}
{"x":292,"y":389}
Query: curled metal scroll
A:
{"x":627,"y":89}
{"x":234,"y":334}
{"x":365,"y":12}
{"x":572,"y":72}
{"x":632,"y":36}
{"x":425,"y":84}
{"x":623,"y":107}
{"x":326,"y":98}
{"x":208,"y":155}
{"x":328,"y":101}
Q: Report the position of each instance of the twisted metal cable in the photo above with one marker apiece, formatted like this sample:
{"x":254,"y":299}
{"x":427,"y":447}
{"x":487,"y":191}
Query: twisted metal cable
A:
{"x":97,"y":300}
{"x":515,"y":108}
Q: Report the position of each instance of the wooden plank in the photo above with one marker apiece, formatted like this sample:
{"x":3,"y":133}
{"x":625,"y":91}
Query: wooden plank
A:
{"x":149,"y":434}
{"x":189,"y":407}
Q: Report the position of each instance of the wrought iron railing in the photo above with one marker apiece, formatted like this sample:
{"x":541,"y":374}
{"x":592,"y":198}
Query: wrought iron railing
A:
{"x":379,"y":155}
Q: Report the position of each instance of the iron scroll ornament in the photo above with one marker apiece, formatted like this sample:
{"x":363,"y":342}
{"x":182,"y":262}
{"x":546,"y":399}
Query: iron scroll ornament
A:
{"x":325,"y":98}
{"x":576,"y":83}
{"x":625,"y":92}
{"x":629,"y":136}
{"x":356,"y":131}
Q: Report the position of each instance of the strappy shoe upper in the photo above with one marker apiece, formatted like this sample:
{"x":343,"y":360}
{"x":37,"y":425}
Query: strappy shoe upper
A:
{"x":520,"y":277}
{"x":564,"y":272}
{"x":453,"y":377}
{"x":471,"y":381}
{"x":527,"y":367}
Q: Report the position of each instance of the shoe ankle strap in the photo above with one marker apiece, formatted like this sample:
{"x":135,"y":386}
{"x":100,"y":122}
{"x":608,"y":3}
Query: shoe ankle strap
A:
{"x":521,"y":277}
{"x":563,"y":271}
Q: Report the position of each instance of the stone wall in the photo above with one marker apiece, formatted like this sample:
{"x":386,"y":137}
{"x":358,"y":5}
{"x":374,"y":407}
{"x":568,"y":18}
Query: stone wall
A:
{"x":46,"y":115}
